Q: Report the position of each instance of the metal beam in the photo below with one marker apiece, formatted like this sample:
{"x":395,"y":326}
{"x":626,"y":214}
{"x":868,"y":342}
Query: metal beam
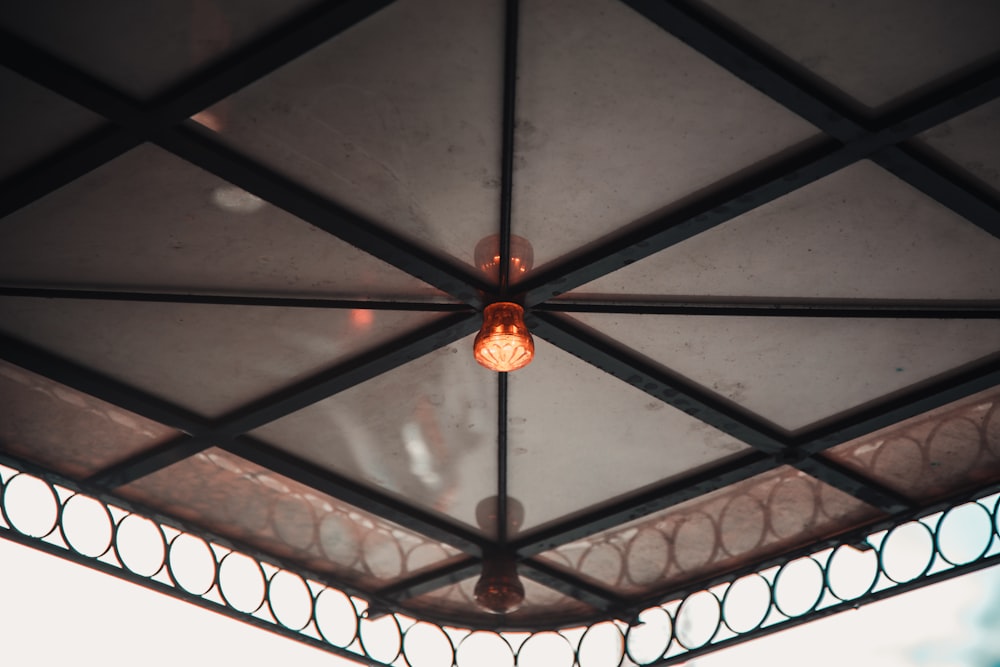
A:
{"x":790,"y":307}
{"x":643,"y":504}
{"x":904,"y":406}
{"x":603,"y":601}
{"x":234,"y":300}
{"x":785,"y":85}
{"x":788,"y":174}
{"x":353,"y":493}
{"x":136,"y":123}
{"x":676,"y":392}
{"x":444,"y":274}
{"x":507,"y":139}
{"x":99,"y":386}
{"x":432,"y":580}
{"x":354,"y":371}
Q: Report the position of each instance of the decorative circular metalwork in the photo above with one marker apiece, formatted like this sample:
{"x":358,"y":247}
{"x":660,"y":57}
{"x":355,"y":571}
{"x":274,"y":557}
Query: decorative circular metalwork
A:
{"x":705,"y":619}
{"x":546,"y":649}
{"x":798,"y":587}
{"x":140,"y":545}
{"x":907,"y":552}
{"x":743,"y":524}
{"x":427,"y":645}
{"x":191,"y":564}
{"x":336,"y":618}
{"x":646,"y":556}
{"x":30,"y":505}
{"x":242,"y":583}
{"x":963,"y":535}
{"x":381,"y":638}
{"x":746,"y":603}
{"x":698,"y":620}
{"x":851,"y":573}
{"x":87,"y":526}
{"x":602,"y":645}
{"x":485,"y":649}
{"x":649,"y":639}
{"x":290,"y":600}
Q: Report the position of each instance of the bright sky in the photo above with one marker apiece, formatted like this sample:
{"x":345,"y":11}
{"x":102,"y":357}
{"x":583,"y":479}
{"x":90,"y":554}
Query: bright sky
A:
{"x":56,"y":612}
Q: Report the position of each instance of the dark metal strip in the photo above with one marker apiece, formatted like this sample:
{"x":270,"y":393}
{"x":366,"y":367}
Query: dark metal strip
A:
{"x":859,"y":486}
{"x":507,"y":140}
{"x":502,"y":516}
{"x":782,"y":307}
{"x":803,"y":167}
{"x":80,"y":87}
{"x":904,"y":406}
{"x":323,"y":385}
{"x":225,"y":163}
{"x":354,"y":371}
{"x":150,"y":461}
{"x":299,"y":35}
{"x":755,"y":189}
{"x":643,"y":504}
{"x":137,"y":123}
{"x":431,"y":580}
{"x":234,"y":300}
{"x":751,"y":65}
{"x":934,"y":180}
{"x":604,"y":601}
{"x":63,"y":167}
{"x":99,"y":386}
{"x":680,"y":394}
{"x":784,"y":85}
{"x":354,"y":493}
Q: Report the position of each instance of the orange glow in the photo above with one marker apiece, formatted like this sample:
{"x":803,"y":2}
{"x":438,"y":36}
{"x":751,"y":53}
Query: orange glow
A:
{"x":362,"y":319}
{"x":499,"y":590}
{"x":504,"y":344}
{"x":487,"y":255}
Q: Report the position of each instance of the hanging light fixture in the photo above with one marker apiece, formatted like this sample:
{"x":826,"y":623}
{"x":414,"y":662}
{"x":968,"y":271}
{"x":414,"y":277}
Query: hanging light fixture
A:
{"x":499,"y":589}
{"x":503,"y":344}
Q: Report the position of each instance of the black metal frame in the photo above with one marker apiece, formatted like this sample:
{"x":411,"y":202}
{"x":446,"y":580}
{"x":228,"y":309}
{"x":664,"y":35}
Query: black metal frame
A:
{"x":848,"y":139}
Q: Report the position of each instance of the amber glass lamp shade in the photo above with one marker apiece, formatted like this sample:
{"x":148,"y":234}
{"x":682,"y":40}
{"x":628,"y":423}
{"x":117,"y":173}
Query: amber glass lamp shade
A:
{"x":504,"y":344}
{"x":499,"y":590}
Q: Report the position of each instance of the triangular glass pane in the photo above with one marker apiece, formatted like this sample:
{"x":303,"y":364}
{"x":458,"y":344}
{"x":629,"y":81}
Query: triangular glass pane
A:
{"x":149,"y":220}
{"x":36,"y":121}
{"x":143,"y":48}
{"x":617,"y":120}
{"x":425,"y":432}
{"x":209,"y":359}
{"x":970,"y":142}
{"x":578,"y":437}
{"x":397,"y":118}
{"x":860,"y":233}
{"x":735,"y":526}
{"x":798,"y":371}
{"x":237,"y":499}
{"x":77,"y":435}
{"x":876,"y":53}
{"x":933,"y":455}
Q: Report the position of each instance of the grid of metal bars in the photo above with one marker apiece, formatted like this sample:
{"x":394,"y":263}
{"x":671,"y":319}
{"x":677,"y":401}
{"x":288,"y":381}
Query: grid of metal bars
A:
{"x":849,"y":138}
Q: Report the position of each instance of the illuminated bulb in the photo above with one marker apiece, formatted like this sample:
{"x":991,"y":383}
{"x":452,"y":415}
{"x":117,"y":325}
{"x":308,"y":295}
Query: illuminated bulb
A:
{"x":499,"y":590}
{"x":504,"y":344}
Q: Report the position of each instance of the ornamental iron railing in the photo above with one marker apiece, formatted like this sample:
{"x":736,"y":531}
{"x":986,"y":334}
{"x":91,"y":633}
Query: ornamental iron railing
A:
{"x":55,"y":515}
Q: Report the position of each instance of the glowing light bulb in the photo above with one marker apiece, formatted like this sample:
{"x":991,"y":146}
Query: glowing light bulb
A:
{"x":504,"y":344}
{"x":499,"y":590}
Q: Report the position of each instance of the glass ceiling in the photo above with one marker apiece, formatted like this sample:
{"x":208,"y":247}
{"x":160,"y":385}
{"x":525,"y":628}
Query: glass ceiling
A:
{"x":244,"y":249}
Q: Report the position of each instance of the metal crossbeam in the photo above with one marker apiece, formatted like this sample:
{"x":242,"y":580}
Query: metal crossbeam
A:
{"x":785,"y":86}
